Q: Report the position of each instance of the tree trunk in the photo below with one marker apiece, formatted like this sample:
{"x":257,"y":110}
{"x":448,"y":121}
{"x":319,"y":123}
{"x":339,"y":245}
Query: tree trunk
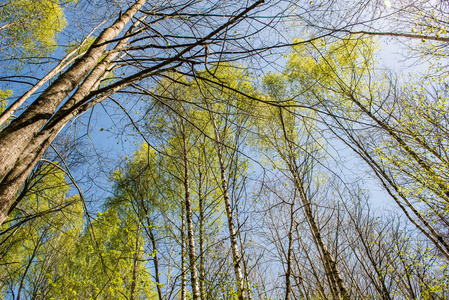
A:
{"x":188,"y":205}
{"x":155,"y":259}
{"x":201,"y":238}
{"x":288,"y":273}
{"x":183,"y":252}
{"x":21,"y":144}
{"x":336,"y":282}
{"x":135,"y":263}
{"x":236,"y":259}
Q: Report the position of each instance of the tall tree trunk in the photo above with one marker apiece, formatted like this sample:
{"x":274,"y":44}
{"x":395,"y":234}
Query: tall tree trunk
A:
{"x":16,"y":136}
{"x":21,"y":145}
{"x":288,"y":273}
{"x":183,"y":254}
{"x":246,"y":274}
{"x":189,"y":218}
{"x":201,"y":237}
{"x":155,"y":260}
{"x":135,"y":264}
{"x":22,"y":142}
{"x":236,"y":259}
{"x":336,"y":282}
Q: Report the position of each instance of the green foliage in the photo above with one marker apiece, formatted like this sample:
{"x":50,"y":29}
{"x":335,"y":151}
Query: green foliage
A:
{"x":39,"y":235}
{"x":3,"y":99}
{"x":54,"y":255}
{"x":101,"y":265}
{"x":31,"y":26}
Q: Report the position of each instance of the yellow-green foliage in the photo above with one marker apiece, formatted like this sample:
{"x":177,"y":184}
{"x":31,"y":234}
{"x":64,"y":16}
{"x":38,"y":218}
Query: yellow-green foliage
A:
{"x":64,"y":258}
{"x":333,"y":71}
{"x":30,"y":27}
{"x":52,"y":222}
{"x":3,"y":99}
{"x":101,"y":265}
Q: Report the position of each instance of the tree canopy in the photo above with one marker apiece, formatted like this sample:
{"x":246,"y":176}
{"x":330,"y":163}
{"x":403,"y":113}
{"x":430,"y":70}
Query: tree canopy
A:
{"x":213,"y":149}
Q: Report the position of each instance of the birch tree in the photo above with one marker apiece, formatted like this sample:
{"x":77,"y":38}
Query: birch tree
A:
{"x":26,"y":138}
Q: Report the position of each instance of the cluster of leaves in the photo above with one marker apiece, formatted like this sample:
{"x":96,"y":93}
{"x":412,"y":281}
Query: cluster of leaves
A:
{"x":48,"y":252}
{"x":31,"y":27}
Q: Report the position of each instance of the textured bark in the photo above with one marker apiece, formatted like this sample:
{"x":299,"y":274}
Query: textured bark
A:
{"x":8,"y":112}
{"x":21,"y":143}
{"x":336,"y":282}
{"x":26,"y":133}
{"x":183,"y":252}
{"x":18,"y":134}
{"x":189,"y":219}
{"x":66,"y":61}
{"x":201,"y":237}
{"x":135,"y":264}
{"x":236,"y":258}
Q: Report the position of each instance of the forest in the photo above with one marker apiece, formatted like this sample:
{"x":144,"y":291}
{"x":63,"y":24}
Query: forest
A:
{"x":224,"y":149}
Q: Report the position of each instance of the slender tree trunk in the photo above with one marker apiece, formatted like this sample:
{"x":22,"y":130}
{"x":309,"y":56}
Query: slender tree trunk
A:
{"x":155,"y":260}
{"x":135,"y":264}
{"x":183,"y":252}
{"x":152,"y":237}
{"x":246,"y":274}
{"x":336,"y":282}
{"x":236,"y":259}
{"x":288,"y":285}
{"x":316,"y":273}
{"x":189,"y":218}
{"x":201,"y":238}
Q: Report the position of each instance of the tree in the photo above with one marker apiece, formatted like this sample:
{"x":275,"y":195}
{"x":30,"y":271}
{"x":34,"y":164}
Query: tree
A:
{"x":352,"y":103}
{"x":294,"y":143}
{"x":135,"y":187}
{"x":38,"y":236}
{"x":26,"y":138}
{"x":32,"y":28}
{"x":115,"y":265}
{"x":179,"y":100}
{"x":239,"y":189}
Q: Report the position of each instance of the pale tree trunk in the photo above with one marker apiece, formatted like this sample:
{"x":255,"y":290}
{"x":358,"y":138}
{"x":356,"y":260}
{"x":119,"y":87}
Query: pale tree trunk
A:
{"x":189,"y":219}
{"x":155,"y":258}
{"x":21,"y":144}
{"x":236,"y":258}
{"x":336,"y":282}
{"x":135,"y":264}
{"x":183,"y":254}
{"x":288,"y":273}
{"x":246,"y":274}
{"x":201,"y":237}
